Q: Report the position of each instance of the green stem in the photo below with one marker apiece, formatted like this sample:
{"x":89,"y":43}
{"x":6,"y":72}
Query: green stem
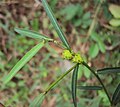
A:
{"x":60,"y":78}
{"x":99,"y":81}
{"x":59,"y":44}
{"x":92,"y":26}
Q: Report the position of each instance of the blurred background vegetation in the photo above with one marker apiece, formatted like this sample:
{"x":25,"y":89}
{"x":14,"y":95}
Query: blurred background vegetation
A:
{"x":100,"y":49}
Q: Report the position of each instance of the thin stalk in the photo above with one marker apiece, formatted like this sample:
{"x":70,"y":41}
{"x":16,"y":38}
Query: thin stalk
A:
{"x":92,"y":26}
{"x":99,"y":81}
{"x":60,"y":78}
{"x":59,"y":44}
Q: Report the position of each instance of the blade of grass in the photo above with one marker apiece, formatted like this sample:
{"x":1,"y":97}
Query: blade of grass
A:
{"x":22,"y":62}
{"x":74,"y":84}
{"x":38,"y":100}
{"x":90,"y":87}
{"x":55,"y":23}
{"x":116,"y":95}
{"x":109,"y":70}
{"x":32,"y":34}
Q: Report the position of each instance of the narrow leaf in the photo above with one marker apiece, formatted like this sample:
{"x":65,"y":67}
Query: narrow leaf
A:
{"x":116,"y":95}
{"x":109,"y":70}
{"x":38,"y":100}
{"x":55,"y":24}
{"x":74,"y":84}
{"x":32,"y":34}
{"x":90,"y":87}
{"x":22,"y":62}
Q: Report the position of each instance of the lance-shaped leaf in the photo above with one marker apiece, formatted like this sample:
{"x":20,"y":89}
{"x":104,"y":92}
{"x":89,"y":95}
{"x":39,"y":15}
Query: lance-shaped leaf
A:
{"x":38,"y":100}
{"x":90,"y":87}
{"x":116,"y":95}
{"x":22,"y":62}
{"x":109,"y":70}
{"x":55,"y":24}
{"x":74,"y":85}
{"x":32,"y":34}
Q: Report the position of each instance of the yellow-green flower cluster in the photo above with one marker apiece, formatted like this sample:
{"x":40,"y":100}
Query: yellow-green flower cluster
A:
{"x":67,"y":54}
{"x":74,"y":57}
{"x":77,"y":58}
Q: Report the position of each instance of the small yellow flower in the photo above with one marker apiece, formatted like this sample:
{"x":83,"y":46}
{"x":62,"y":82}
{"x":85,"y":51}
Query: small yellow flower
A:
{"x":77,"y":58}
{"x":67,"y":54}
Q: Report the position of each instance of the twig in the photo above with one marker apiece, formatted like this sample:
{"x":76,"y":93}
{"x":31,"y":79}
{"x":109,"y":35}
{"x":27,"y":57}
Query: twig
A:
{"x":99,"y":81}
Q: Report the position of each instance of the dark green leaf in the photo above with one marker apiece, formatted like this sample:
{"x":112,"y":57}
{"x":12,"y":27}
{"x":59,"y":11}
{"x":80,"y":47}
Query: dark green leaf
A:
{"x":90,"y":87}
{"x":109,"y":70}
{"x":22,"y":62}
{"x":55,"y":24}
{"x":38,"y":100}
{"x":116,"y":95}
{"x":32,"y":34}
{"x":74,"y":84}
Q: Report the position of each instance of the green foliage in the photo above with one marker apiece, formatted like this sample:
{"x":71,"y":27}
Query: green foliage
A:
{"x":32,"y":34}
{"x":89,"y":87}
{"x":116,"y":96}
{"x":35,"y":24}
{"x":80,"y":16}
{"x":97,"y":38}
{"x":115,"y":11}
{"x":70,"y":12}
{"x":55,"y":24}
{"x":22,"y":62}
{"x":94,"y":50}
{"x":38,"y":100}
{"x":109,"y":70}
{"x":97,"y":46}
{"x":115,"y":22}
{"x":74,"y":85}
{"x":96,"y":102}
{"x":53,"y":4}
